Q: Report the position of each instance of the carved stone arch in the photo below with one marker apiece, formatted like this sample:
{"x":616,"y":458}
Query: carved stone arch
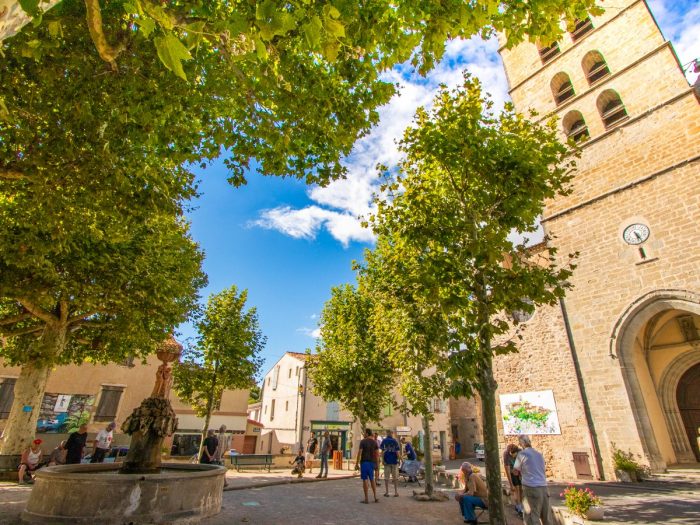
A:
{"x":668,"y":386}
{"x":632,"y":320}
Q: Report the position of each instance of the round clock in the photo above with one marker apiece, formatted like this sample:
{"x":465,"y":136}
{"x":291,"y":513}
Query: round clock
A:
{"x":636,"y":233}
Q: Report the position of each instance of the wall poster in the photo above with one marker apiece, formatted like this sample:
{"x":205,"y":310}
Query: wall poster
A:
{"x":64,"y":412}
{"x":529,"y":413}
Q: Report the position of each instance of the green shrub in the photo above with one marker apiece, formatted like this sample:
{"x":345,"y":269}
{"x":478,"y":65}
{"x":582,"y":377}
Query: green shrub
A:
{"x":626,"y":462}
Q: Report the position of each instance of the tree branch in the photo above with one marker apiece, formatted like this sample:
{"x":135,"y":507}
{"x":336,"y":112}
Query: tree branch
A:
{"x":21,"y":331}
{"x":37,"y":311}
{"x":12,"y":175}
{"x":15,"y":318}
{"x":94,"y":21}
{"x":80,"y":317}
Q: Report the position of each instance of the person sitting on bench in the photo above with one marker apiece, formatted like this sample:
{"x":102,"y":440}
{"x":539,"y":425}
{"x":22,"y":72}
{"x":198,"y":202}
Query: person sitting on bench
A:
{"x":475,"y":493}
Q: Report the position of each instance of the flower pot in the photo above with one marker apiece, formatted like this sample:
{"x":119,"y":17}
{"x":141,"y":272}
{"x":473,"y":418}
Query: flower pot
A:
{"x":595,"y":513}
{"x":626,"y":476}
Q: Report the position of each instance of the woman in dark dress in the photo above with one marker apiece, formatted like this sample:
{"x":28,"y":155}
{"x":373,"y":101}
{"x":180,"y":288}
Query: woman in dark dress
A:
{"x":75,"y":445}
{"x":209,"y":448}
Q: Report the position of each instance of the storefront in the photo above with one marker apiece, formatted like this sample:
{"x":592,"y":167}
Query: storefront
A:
{"x":339,"y":432}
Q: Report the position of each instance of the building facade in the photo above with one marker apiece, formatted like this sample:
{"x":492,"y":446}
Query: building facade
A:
{"x":98,"y":394}
{"x":617,"y":363}
{"x":291,"y":411}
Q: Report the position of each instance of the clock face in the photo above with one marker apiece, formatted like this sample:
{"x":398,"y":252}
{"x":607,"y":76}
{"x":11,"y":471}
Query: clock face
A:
{"x":636,"y":233}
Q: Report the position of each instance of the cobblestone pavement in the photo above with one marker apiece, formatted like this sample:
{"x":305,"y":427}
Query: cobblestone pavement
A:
{"x":332,"y":503}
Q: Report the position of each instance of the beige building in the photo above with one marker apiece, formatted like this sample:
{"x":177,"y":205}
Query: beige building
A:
{"x":291,"y":411}
{"x":617,"y":364}
{"x":98,"y":394}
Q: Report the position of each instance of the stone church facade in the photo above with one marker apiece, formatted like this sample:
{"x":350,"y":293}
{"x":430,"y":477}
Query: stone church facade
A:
{"x":621,"y":354}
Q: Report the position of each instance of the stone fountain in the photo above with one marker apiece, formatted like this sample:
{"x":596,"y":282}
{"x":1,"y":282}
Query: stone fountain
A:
{"x":141,"y":490}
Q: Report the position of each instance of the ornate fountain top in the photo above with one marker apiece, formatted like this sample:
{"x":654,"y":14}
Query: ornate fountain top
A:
{"x":169,"y":350}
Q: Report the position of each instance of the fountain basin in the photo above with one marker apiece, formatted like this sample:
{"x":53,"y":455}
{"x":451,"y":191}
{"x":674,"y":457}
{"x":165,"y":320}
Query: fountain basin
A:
{"x":97,"y":493}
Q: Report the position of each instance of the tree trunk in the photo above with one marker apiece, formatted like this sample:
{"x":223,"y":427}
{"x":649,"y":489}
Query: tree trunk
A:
{"x":428,"y":457}
{"x":29,"y":391}
{"x":493,"y":471}
{"x":210,"y":408}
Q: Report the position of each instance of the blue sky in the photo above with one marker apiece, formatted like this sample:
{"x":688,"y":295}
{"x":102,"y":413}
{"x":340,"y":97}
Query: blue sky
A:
{"x":289,"y":243}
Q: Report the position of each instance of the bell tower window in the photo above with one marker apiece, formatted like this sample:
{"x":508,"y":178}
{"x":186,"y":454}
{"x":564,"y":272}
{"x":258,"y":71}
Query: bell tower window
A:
{"x":582,"y":27}
{"x":574,"y":126}
{"x":547,"y":53}
{"x":562,"y":88}
{"x":594,"y":66}
{"x":611,"y":108}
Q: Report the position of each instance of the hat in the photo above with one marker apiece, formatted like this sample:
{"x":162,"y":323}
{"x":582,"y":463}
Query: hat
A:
{"x":37,"y":442}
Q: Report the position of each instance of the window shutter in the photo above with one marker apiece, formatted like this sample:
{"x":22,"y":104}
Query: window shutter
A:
{"x":7,"y":396}
{"x":109,"y":403}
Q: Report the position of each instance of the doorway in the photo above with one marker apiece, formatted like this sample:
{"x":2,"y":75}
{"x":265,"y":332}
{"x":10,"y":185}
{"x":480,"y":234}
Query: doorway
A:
{"x":688,"y":398}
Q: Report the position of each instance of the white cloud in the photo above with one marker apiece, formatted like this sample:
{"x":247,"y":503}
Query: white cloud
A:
{"x":340,"y":206}
{"x":311,"y":332}
{"x":680,"y":23}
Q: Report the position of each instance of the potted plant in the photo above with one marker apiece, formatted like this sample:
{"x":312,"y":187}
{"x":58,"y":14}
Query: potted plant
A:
{"x":583,"y":503}
{"x":627,"y":469}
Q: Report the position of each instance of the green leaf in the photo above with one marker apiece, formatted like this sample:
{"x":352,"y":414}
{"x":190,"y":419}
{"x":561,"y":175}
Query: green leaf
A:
{"x":312,"y":31}
{"x":55,"y":28}
{"x":334,"y":28}
{"x":146,"y":26}
{"x":172,"y":52}
{"x":260,"y":49}
{"x":31,"y":7}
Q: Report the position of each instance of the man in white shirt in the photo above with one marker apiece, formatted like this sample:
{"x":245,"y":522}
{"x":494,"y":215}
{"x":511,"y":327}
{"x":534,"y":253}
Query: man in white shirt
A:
{"x":102,"y":443}
{"x":530,"y":465}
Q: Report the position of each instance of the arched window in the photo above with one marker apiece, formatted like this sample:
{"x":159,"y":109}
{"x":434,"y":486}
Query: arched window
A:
{"x":594,"y":66}
{"x":581,"y":28}
{"x":611,"y":108}
{"x":562,"y":88}
{"x":547,"y":53}
{"x":574,"y":126}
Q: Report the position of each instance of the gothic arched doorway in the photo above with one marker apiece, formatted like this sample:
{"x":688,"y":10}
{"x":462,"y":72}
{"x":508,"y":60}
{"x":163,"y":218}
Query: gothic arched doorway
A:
{"x":688,"y":398}
{"x":657,"y":341}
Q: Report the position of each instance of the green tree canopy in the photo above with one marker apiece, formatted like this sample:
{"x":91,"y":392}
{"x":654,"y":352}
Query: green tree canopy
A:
{"x":469,"y":180}
{"x":226,"y":354}
{"x":348,"y":366}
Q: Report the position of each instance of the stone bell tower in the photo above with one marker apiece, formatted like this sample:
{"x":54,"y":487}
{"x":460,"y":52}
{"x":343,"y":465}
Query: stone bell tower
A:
{"x":633,"y":317}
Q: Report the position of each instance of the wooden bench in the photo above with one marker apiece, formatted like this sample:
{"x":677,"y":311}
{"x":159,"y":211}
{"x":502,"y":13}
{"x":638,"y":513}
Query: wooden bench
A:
{"x":245,"y":460}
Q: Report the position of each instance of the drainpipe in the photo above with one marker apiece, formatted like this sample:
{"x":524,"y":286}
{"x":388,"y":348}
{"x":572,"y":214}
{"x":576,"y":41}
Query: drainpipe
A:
{"x":301,"y":396}
{"x":592,"y":436}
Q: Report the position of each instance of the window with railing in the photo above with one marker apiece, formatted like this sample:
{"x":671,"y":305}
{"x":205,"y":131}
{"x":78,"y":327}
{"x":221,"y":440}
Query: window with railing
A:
{"x":594,"y":66}
{"x":575,"y":126}
{"x":611,"y":108}
{"x":562,"y":88}
{"x":547,"y":53}
{"x":582,"y":27}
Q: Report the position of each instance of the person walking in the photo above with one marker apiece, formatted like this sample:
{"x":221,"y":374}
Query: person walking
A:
{"x":102,"y":443}
{"x":30,"y":460}
{"x":391,"y":452}
{"x":475,"y":493}
{"x":311,"y":446}
{"x":514,"y":480}
{"x":209,"y":448}
{"x":366,"y":459}
{"x":529,"y":464}
{"x":75,"y":445}
{"x":223,"y":448}
{"x":326,"y":449}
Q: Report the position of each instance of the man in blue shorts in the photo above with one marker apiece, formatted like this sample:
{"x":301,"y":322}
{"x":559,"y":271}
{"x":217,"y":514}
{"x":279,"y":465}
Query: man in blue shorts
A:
{"x":366,"y":459}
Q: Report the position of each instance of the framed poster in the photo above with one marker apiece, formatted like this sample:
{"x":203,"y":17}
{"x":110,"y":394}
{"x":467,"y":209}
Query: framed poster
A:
{"x":529,"y":413}
{"x":64,"y":412}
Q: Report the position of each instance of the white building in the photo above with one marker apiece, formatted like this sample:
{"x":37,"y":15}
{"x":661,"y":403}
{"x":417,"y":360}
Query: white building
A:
{"x":291,"y":411}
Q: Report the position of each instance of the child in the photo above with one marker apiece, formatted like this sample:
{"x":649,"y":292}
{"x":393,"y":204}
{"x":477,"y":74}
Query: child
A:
{"x":298,"y":463}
